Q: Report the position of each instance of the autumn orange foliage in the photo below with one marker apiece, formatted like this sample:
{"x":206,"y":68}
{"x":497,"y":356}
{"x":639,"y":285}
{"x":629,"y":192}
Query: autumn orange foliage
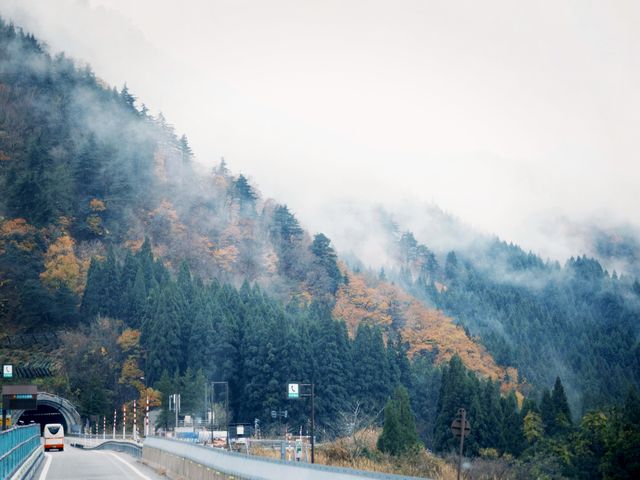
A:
{"x":18,"y":233}
{"x":97,"y":205}
{"x":424,"y":328}
{"x":62,"y":267}
{"x":16,"y":226}
{"x":225,"y":256}
{"x":356,"y":302}
{"x":129,"y":339}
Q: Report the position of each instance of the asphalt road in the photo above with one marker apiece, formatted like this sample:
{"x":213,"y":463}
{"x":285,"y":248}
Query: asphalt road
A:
{"x":76,"y":463}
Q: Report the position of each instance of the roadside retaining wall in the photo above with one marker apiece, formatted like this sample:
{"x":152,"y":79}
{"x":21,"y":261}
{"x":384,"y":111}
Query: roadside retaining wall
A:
{"x":185,"y":460}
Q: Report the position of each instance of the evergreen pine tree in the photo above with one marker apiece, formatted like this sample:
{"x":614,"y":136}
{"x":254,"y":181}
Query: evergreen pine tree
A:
{"x":164,"y":348}
{"x":511,"y":425}
{"x":136,"y":300}
{"x":326,"y":259}
{"x":371,"y":370}
{"x":201,"y":341}
{"x":399,"y":433}
{"x":92,"y":298}
{"x":562,"y":413}
{"x":453,"y":396}
{"x":185,"y":149}
{"x":547,"y":412}
{"x":245,"y":195}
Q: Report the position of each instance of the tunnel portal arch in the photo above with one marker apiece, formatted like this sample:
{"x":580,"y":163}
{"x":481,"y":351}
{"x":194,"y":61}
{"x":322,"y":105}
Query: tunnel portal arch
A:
{"x":51,"y":409}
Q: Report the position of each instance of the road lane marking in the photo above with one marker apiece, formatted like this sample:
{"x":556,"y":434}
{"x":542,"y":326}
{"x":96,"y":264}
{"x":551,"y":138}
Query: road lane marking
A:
{"x":135,"y":470}
{"x":45,"y":469}
{"x":125,"y":473}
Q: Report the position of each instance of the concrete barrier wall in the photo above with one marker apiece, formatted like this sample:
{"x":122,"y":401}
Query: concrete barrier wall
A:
{"x":184,"y":460}
{"x":179,"y":468}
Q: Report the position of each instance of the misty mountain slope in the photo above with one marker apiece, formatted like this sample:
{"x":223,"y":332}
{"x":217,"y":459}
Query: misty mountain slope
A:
{"x":577,"y":321}
{"x":86,"y":176}
{"x":79,"y":160}
{"x":428,"y":332}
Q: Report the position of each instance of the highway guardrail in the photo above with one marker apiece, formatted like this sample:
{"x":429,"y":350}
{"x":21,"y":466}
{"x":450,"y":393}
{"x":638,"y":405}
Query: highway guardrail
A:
{"x":16,"y":446}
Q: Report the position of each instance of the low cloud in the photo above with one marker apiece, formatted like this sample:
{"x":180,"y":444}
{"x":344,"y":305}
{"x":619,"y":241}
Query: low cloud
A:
{"x":519,"y":120}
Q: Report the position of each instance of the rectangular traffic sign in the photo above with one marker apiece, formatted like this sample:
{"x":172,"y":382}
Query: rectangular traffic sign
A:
{"x":456,"y":427}
{"x":7,"y":371}
{"x":19,"y":397}
{"x":293,"y":390}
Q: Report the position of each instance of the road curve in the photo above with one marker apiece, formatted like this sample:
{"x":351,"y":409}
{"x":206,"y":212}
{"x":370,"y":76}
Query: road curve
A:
{"x":76,"y":463}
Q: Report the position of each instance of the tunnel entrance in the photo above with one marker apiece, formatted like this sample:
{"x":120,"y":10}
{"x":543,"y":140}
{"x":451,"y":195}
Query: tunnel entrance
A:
{"x":43,"y":415}
{"x":51,"y":409}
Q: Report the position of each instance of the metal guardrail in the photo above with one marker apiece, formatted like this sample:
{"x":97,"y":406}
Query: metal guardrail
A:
{"x":16,"y":445}
{"x":250,"y":467}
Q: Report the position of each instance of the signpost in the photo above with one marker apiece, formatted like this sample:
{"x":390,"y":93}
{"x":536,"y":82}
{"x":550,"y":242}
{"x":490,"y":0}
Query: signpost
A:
{"x":460,"y":427}
{"x":7,"y":371}
{"x":293,"y":393}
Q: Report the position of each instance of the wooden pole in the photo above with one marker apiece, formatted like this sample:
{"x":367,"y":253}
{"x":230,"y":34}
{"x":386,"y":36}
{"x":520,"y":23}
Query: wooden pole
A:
{"x":463,"y":423}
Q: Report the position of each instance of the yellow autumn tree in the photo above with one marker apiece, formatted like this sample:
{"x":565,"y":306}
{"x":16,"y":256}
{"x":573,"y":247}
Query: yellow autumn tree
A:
{"x":97,"y":205}
{"x":62,"y":267}
{"x":129,"y":340}
{"x":357,"y":302}
{"x":131,"y":374}
{"x":19,"y":233}
{"x":225,"y":257}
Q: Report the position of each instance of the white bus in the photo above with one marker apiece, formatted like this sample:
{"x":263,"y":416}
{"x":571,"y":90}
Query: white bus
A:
{"x":53,"y":437}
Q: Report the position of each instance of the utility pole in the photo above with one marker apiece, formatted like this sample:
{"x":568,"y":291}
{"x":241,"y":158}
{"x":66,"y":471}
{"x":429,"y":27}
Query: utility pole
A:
{"x":463,"y":421}
{"x":226,"y":402}
{"x":313,"y":424}
{"x":175,"y":398}
{"x":226,"y":407}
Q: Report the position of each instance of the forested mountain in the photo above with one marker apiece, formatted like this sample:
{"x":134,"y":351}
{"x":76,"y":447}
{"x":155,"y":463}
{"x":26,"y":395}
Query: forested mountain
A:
{"x":575,"y":320}
{"x":161,"y":276}
{"x":86,"y":174}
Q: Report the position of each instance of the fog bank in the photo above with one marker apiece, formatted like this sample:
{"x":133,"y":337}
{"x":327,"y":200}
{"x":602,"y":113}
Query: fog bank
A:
{"x":517,"y":118}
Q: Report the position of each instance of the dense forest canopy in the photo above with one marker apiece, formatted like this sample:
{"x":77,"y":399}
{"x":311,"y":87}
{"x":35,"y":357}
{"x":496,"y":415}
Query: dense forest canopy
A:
{"x":576,"y":320}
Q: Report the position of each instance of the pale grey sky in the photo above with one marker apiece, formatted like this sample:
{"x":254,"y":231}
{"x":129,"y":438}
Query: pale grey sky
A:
{"x":505,"y":113}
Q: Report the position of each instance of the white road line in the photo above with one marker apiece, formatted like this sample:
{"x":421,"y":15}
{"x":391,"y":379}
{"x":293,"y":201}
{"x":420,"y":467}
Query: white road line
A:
{"x":45,"y":469}
{"x":135,"y":470}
